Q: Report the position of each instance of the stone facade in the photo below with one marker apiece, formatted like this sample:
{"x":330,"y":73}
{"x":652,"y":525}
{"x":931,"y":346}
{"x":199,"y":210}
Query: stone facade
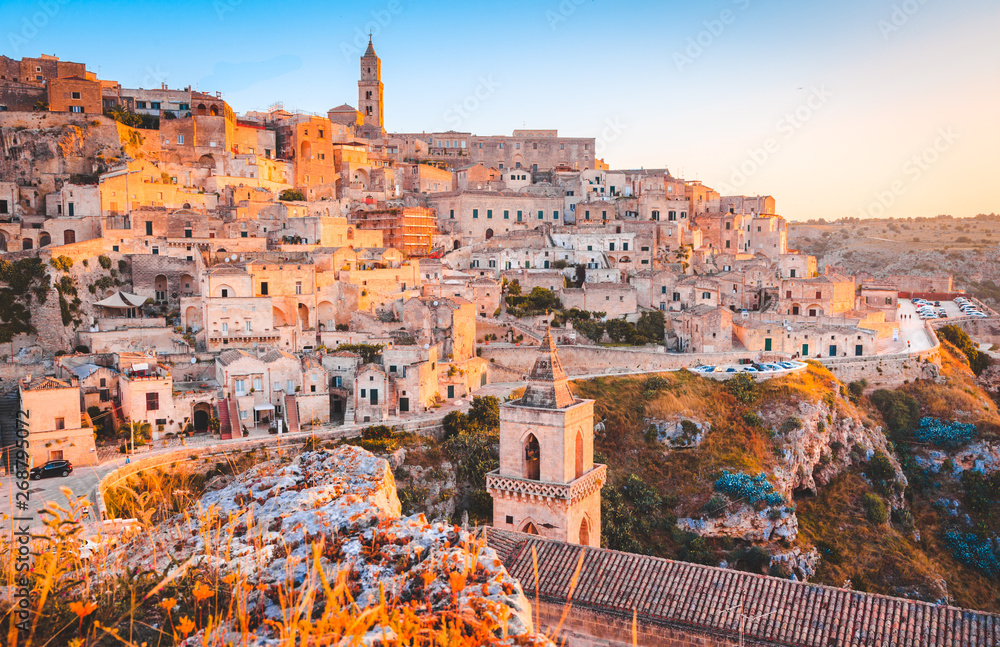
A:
{"x":548,"y":483}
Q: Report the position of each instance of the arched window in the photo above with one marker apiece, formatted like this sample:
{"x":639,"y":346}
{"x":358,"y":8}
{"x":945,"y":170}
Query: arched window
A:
{"x":584,"y":532}
{"x":529,"y":529}
{"x":579,"y":454}
{"x":532,"y":458}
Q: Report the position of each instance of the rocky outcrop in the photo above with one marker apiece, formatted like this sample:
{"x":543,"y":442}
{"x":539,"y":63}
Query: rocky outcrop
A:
{"x":678,"y":431}
{"x":272,"y":519}
{"x":818,"y":441}
{"x":747,"y":524}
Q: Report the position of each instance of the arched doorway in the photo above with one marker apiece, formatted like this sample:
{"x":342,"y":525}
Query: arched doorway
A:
{"x":214,"y":111}
{"x":44,"y":239}
{"x":187,"y":284}
{"x":69,"y":237}
{"x":584,"y":532}
{"x":202,"y":414}
{"x":192,"y":318}
{"x":160,"y":287}
{"x":532,"y":458}
{"x":489,"y":233}
{"x":324,"y":316}
{"x":306,"y":151}
{"x":3,"y":242}
{"x":278,"y":317}
{"x":529,"y":529}
{"x":304,"y":316}
{"x":202,"y":109}
{"x":26,"y":244}
{"x":206,"y":161}
{"x":457,"y":244}
{"x":579,"y":454}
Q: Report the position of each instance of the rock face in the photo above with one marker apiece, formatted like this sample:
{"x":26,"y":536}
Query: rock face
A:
{"x":679,"y":431}
{"x":747,"y":524}
{"x":270,"y":518}
{"x":818,"y":442}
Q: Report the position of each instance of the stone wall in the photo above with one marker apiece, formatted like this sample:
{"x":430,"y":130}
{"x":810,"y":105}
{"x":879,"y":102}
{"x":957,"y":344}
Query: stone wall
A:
{"x":587,"y":628}
{"x":588,"y":360}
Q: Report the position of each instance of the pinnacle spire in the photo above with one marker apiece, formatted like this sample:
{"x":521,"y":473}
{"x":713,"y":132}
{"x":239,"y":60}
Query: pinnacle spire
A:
{"x":548,"y":386}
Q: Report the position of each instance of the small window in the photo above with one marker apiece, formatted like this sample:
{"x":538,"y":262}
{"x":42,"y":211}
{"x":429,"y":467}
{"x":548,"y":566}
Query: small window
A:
{"x":152,"y":401}
{"x":60,"y":423}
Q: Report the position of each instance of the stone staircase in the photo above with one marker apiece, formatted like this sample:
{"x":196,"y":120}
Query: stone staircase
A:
{"x":225,"y":424}
{"x":291,"y":413}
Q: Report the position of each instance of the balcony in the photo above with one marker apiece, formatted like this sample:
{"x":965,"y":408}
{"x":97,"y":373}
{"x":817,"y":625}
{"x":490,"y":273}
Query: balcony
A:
{"x":519,"y":488}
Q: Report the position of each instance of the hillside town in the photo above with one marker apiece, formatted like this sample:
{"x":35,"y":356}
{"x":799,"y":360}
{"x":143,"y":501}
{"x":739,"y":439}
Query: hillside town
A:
{"x":200,"y":277}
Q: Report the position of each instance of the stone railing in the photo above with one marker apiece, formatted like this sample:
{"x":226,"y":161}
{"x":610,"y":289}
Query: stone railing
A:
{"x":569,"y":492}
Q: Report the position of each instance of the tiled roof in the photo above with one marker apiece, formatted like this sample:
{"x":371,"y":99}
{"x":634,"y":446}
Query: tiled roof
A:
{"x":44,"y":384}
{"x":548,"y":387}
{"x":705,"y":599}
{"x":275,"y":354}
{"x":227,"y":357}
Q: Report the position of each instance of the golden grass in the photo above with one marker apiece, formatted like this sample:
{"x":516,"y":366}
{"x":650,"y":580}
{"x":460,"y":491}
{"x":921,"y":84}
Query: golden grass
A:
{"x":881,"y":559}
{"x":683,"y":474}
{"x":110,"y":601}
{"x":960,"y":397}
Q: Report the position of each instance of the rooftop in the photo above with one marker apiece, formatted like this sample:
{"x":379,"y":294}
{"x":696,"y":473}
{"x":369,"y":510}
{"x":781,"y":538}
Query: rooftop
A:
{"x":708,"y":599}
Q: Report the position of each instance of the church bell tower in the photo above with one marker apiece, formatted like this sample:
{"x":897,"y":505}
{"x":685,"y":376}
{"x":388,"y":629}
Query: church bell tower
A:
{"x":548,"y":483}
{"x":370,"y":91}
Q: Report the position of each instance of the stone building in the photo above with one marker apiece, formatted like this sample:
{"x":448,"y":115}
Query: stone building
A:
{"x":58,"y":428}
{"x":75,"y":94}
{"x":534,"y":150}
{"x":371,"y":104}
{"x":817,"y":297}
{"x":548,"y":483}
{"x":704,"y":329}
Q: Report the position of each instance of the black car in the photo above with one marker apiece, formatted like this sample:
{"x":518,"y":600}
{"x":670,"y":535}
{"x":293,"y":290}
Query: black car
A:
{"x":52,"y":468}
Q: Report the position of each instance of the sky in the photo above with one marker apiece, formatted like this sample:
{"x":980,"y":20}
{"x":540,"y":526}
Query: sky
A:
{"x":855,"y":108}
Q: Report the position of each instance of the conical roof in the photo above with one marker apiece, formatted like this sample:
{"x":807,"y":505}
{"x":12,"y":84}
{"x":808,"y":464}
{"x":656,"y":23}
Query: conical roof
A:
{"x":548,"y":386}
{"x":371,"y":49}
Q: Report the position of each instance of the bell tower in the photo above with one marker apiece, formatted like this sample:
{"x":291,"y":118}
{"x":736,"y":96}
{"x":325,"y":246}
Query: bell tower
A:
{"x":548,"y":483}
{"x":370,"y":91}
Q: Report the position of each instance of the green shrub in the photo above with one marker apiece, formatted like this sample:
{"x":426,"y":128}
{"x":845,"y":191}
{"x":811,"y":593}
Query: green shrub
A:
{"x":104,"y":261}
{"x":875,"y":509}
{"x":856,"y":390}
{"x":790,"y":425}
{"x":743,"y":388}
{"x":900,"y":411}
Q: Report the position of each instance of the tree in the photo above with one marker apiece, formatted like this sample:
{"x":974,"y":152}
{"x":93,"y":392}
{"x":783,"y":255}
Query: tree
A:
{"x":292,"y":195}
{"x":743,"y":388}
{"x":899,"y":410}
{"x":978,"y":360}
{"x":485,"y":412}
{"x":651,"y":325}
{"x":620,"y":330}
{"x":370,"y":353}
{"x":138,"y":432}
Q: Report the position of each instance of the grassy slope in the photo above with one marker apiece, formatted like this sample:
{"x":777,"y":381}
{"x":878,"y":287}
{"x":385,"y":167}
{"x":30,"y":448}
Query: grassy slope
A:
{"x":877,"y":558}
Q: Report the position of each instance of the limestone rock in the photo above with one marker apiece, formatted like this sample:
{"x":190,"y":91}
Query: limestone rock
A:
{"x":746,"y":524}
{"x":272,"y":516}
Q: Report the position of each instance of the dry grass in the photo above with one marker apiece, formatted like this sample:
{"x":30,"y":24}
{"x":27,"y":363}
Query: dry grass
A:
{"x":109,"y":601}
{"x":881,"y":559}
{"x":959,"y":397}
{"x":681,"y":475}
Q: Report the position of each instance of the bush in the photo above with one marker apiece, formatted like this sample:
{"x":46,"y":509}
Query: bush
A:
{"x":975,"y":551}
{"x":291,"y":195}
{"x":900,"y":411}
{"x":790,"y":425}
{"x":743,"y":388}
{"x":62,"y":263}
{"x":81,"y":348}
{"x":104,"y":261}
{"x":753,"y":489}
{"x":875,"y":509}
{"x":982,"y":493}
{"x":902,"y":518}
{"x":881,"y":471}
{"x":751,"y":419}
{"x":978,"y":360}
{"x":945,"y":434}
{"x":856,"y":389}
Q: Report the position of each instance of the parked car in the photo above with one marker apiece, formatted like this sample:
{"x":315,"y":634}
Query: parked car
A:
{"x":52,"y":468}
{"x":787,"y":365}
{"x":704,"y":369}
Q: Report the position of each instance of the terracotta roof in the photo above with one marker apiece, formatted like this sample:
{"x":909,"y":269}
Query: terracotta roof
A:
{"x":227,"y":357}
{"x":45,"y":383}
{"x":706,"y":600}
{"x":275,"y":354}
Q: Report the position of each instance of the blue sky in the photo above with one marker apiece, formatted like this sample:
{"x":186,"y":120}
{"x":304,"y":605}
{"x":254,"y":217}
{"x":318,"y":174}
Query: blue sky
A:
{"x":853,"y":108}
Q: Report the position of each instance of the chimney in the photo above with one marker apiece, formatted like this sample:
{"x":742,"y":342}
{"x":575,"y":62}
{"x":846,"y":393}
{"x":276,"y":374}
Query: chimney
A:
{"x":27,"y":378}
